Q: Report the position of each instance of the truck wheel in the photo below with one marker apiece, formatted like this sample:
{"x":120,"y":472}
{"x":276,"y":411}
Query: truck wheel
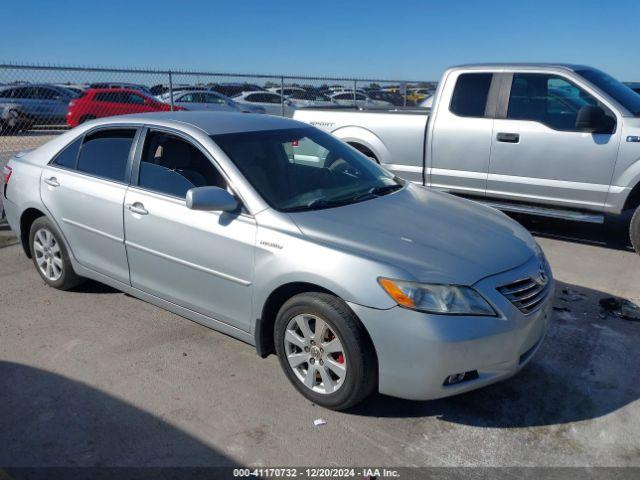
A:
{"x":325,"y":351}
{"x":634,"y":230}
{"x":50,"y":256}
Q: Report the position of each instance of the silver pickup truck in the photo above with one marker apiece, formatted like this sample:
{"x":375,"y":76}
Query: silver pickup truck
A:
{"x":545,"y":139}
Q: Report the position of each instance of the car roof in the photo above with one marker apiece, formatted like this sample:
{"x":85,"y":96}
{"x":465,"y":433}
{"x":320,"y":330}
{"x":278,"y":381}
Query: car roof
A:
{"x":212,"y":123}
{"x":112,"y":90}
{"x":564,"y":66}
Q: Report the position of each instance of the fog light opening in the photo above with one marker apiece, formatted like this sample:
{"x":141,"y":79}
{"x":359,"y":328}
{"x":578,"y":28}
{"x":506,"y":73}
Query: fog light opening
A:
{"x":457,"y":378}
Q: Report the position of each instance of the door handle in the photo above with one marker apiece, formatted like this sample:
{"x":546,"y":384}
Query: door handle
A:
{"x":52,"y":181}
{"x":138,"y":208}
{"x":508,"y":137}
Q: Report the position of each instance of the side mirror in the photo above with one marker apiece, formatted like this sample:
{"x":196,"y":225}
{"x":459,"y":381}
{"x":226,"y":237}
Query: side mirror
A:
{"x":211,"y":199}
{"x":593,"y":119}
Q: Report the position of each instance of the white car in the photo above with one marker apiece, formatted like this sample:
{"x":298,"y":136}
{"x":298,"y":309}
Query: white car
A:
{"x":310,"y":99}
{"x":205,"y":100}
{"x":271,"y":102}
{"x":287,"y":91}
{"x":362,"y":100}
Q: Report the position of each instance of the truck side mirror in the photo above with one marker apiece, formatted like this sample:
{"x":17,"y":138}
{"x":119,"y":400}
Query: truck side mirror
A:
{"x":593,"y":119}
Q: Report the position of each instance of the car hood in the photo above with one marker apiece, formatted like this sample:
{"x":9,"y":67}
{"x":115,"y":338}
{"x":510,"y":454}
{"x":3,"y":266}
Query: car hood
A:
{"x":433,"y":236}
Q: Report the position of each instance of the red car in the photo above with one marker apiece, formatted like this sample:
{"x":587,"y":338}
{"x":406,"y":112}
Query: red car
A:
{"x":106,"y":102}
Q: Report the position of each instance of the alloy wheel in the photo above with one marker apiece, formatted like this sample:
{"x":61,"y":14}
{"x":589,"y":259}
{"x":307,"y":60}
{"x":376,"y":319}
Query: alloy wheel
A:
{"x":315,"y":353}
{"x":48,"y":254}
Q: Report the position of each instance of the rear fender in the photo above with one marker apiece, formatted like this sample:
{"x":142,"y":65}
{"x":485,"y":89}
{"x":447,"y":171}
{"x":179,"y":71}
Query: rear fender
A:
{"x":365,"y":138}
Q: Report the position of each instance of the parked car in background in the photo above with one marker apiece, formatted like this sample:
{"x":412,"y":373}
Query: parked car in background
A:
{"x":287,"y":91}
{"x":310,"y":99}
{"x":208,"y":100}
{"x":13,"y":119}
{"x":553,"y":140}
{"x":278,"y":234}
{"x":418,"y":94}
{"x":232,"y":89}
{"x":106,"y":102}
{"x":271,"y":102}
{"x":361,"y":100}
{"x":76,"y":88}
{"x":131,"y":86}
{"x":43,"y":103}
{"x":393,"y":98}
{"x":427,"y":102}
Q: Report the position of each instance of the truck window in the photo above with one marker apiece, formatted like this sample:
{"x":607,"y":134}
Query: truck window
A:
{"x":470,"y":94}
{"x":548,"y":99}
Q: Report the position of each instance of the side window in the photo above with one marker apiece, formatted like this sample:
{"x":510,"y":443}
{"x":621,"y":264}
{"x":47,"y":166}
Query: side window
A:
{"x":186,"y":98}
{"x":253,"y":98}
{"x":26,"y":93}
{"x":67,"y":158}
{"x":111,"y":97}
{"x":105,"y":153}
{"x":47,"y":94}
{"x":209,"y":98}
{"x":172,"y":166}
{"x":470,"y":94}
{"x":134,"y":98}
{"x":548,"y":99}
{"x":7,"y":93}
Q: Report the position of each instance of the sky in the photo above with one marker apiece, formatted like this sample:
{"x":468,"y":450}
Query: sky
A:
{"x":408,"y":39}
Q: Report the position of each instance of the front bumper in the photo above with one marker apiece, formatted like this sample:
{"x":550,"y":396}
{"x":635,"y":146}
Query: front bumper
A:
{"x":418,"y":351}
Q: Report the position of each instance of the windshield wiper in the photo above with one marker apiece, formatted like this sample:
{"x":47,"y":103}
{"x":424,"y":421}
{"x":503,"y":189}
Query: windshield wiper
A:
{"x":320,"y":203}
{"x":376,"y":192}
{"x":317,"y":204}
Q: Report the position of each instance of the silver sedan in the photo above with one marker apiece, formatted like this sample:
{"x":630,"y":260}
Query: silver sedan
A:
{"x":205,"y":100}
{"x":278,"y":234}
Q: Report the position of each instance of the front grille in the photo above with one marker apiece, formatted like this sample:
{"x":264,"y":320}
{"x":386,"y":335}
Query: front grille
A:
{"x":527,"y":294}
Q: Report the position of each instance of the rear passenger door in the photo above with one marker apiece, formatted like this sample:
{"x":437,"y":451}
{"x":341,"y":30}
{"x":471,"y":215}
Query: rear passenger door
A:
{"x":461,"y":136}
{"x":84,"y":188}
{"x":199,"y":260}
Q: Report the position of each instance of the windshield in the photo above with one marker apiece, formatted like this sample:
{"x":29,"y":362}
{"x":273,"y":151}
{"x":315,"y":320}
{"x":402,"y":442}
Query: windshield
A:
{"x":615,"y":89}
{"x":305,"y":168}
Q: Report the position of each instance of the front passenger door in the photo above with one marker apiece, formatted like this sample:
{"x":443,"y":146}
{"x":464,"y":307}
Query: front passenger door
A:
{"x":199,"y":260}
{"x":538,"y":153}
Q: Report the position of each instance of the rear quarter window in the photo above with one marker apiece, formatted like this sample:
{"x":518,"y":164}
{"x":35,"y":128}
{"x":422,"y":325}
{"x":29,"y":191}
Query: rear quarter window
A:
{"x":68,"y":157}
{"x":470,"y":94}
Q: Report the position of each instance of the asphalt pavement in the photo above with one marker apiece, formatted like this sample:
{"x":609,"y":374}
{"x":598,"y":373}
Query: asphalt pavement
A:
{"x":96,"y":377}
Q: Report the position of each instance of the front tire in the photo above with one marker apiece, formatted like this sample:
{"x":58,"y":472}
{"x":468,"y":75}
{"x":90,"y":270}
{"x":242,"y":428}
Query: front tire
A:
{"x":50,"y":255}
{"x":634,"y":231}
{"x":325,"y":351}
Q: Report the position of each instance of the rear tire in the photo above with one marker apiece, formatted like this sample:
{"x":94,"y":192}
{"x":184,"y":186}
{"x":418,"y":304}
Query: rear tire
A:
{"x":334,"y":364}
{"x":634,"y":230}
{"x":50,"y":255}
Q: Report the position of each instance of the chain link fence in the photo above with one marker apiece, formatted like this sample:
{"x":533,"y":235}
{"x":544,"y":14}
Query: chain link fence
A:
{"x":39,"y":102}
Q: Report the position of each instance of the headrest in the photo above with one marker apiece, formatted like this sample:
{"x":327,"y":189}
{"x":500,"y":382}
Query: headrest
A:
{"x":174,"y":154}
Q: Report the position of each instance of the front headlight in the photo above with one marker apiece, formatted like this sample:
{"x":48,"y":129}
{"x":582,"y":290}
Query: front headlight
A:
{"x":437,"y":298}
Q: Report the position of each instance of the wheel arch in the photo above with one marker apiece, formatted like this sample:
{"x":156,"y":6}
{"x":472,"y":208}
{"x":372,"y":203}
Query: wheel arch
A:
{"x":264,"y":328}
{"x":27,"y":218}
{"x":363,"y":139}
{"x":633,"y":199}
